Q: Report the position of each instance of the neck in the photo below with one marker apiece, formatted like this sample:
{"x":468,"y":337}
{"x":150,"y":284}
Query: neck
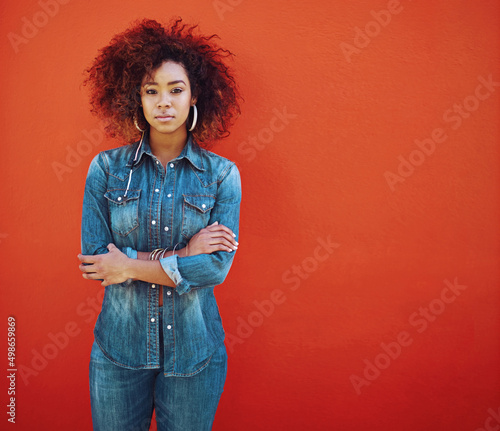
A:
{"x":167,"y":146}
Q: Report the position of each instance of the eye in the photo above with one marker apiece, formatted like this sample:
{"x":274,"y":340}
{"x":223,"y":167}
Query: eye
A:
{"x":151,"y":91}
{"x":177,"y":90}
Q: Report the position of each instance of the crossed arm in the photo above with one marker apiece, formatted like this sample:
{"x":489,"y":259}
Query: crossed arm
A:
{"x":115,"y":267}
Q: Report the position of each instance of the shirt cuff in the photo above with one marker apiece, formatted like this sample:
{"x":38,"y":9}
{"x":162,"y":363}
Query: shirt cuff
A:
{"x":130,"y":252}
{"x":171,"y":268}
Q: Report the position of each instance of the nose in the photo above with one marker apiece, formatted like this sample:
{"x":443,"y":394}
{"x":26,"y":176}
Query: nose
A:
{"x":164,"y":100}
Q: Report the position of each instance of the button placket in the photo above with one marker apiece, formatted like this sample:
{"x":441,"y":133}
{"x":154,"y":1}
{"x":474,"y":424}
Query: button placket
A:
{"x":164,"y":221}
{"x":154,"y":241}
{"x":168,"y":330}
{"x":168,"y":206}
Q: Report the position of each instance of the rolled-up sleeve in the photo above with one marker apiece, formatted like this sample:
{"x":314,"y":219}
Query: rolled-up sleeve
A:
{"x":208,"y":270}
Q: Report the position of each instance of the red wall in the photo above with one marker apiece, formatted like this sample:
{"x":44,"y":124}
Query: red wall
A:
{"x":365,"y":290}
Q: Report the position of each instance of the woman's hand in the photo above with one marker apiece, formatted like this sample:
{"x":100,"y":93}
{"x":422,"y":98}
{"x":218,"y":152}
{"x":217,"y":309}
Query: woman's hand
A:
{"x":215,"y":237}
{"x":111,"y":267}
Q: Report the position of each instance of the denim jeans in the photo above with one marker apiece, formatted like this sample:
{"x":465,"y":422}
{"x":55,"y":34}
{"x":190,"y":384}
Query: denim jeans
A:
{"x":123,"y":399}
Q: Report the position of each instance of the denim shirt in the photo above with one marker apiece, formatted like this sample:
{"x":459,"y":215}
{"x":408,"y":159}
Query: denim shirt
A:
{"x":163,"y":208}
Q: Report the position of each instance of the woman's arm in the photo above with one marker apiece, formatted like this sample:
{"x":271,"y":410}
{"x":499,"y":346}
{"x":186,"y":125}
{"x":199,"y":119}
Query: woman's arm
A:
{"x":205,"y":262}
{"x":96,"y":231}
{"x":115,"y":267}
{"x":207,"y":270}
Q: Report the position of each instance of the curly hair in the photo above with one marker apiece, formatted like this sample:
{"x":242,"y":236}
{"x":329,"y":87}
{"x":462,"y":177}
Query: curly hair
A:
{"x":116,"y":74}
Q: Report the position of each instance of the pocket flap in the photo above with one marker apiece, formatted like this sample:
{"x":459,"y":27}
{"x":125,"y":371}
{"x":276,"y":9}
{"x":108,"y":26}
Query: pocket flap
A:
{"x":117,"y":196}
{"x":202,"y":203}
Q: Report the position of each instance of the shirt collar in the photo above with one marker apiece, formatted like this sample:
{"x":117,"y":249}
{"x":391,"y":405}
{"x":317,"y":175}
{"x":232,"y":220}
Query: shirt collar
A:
{"x":191,"y":152}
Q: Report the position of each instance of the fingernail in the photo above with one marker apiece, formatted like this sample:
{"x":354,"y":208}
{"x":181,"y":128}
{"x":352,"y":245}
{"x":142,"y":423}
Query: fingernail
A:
{"x":234,"y":235}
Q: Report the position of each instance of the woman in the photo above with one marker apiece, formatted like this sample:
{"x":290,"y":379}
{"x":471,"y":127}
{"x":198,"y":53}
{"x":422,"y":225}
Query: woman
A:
{"x":159,"y":228}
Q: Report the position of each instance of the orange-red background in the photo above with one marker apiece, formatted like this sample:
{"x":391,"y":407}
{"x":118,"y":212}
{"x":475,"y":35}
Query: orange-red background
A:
{"x":321,"y":176}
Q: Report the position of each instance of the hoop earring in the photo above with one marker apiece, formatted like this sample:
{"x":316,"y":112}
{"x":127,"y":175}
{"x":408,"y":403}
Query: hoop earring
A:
{"x":136,"y":124}
{"x":195,"y":118}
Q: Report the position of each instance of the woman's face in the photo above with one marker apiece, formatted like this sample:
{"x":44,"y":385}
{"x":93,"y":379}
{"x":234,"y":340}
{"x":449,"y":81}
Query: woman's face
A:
{"x":166,"y":99}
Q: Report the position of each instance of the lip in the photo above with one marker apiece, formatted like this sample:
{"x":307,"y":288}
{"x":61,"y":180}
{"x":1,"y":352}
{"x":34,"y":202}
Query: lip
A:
{"x":164,"y":118}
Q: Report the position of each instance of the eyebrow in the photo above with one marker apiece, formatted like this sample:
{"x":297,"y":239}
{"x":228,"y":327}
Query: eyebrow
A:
{"x":169,"y":83}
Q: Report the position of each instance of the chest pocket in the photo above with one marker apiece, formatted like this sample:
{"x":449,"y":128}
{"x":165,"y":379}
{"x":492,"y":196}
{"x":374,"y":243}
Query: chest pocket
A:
{"x":123,"y":210}
{"x":196,"y":211}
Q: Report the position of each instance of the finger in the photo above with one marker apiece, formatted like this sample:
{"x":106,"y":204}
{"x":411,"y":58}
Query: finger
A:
{"x":213,"y":227}
{"x":86,"y":258}
{"x":90,"y":275}
{"x":229,"y":231}
{"x":224,"y":242}
{"x":111,"y":246}
{"x":221,"y":227}
{"x":89,"y":269}
{"x":228,"y":238}
{"x":221,"y":247}
{"x":85,"y":268}
{"x":212,"y":236}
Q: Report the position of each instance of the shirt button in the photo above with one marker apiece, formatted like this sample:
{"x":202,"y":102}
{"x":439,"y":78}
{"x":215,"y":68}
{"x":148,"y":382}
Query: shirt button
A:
{"x":171,"y":165}
{"x":169,"y":195}
{"x":152,"y":319}
{"x":153,"y":286}
{"x":157,"y":162}
{"x":166,"y":228}
{"x":169,"y":327}
{"x":203,"y":206}
{"x":119,"y":199}
{"x":169,"y":293}
{"x":153,"y":222}
{"x":157,"y":190}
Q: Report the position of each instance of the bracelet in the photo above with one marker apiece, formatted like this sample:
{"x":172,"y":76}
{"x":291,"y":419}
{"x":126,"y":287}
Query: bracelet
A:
{"x":155,"y":253}
{"x":162,"y":255}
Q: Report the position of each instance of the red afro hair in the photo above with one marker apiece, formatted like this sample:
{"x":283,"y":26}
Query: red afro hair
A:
{"x":115,"y":77}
